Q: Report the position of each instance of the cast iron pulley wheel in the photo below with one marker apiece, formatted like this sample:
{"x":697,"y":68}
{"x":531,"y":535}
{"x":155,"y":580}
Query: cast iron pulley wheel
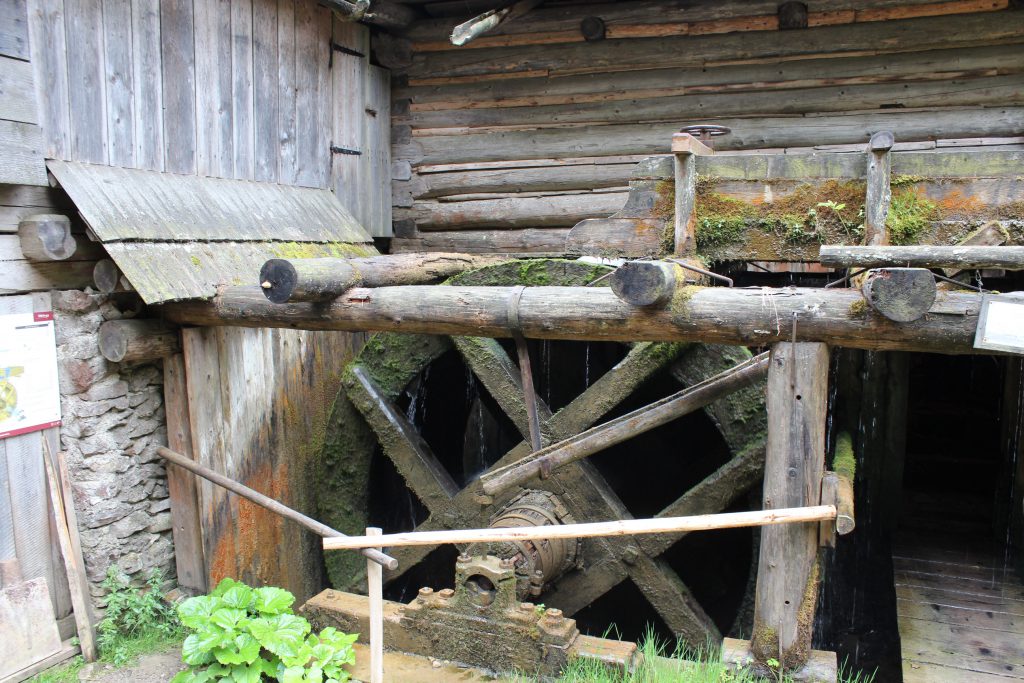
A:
{"x":674,"y":477}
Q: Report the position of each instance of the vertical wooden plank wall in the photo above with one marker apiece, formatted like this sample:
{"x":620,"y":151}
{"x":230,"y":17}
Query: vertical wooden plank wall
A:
{"x":21,"y":140}
{"x":259,"y":403}
{"x":225,"y":88}
{"x":361,"y":159}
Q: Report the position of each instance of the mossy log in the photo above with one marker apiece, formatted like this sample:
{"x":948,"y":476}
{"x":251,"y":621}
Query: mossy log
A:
{"x":322,"y":279}
{"x":738,"y":316}
{"x":645,"y":283}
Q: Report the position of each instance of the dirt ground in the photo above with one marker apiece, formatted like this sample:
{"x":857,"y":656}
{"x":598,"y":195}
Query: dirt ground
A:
{"x":155,"y":668}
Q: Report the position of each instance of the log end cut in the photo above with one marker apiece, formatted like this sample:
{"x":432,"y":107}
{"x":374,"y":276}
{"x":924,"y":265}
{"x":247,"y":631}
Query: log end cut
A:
{"x":644,"y":283}
{"x":900,"y":294}
{"x":278,"y":279}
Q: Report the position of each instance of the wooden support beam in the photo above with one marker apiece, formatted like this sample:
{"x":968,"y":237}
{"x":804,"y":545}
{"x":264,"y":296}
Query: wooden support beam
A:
{"x":788,"y":570}
{"x":186,"y":529}
{"x":900,"y":294}
{"x":686,"y":148}
{"x":375,"y":592}
{"x":46,"y":237}
{"x":645,"y":283}
{"x":844,"y":465}
{"x":269,"y":503}
{"x":137,"y":340}
{"x":626,"y":427}
{"x":879,"y":193}
{"x":724,"y":315}
{"x":621,"y":527}
{"x":322,"y":279}
{"x":960,"y":257}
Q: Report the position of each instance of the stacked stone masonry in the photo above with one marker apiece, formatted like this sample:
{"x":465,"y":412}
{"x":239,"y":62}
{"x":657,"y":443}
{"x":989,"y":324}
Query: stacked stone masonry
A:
{"x":113,"y":421}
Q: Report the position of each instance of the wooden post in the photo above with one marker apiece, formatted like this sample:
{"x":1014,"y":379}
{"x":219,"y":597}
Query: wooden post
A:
{"x":186,"y":529}
{"x":375,"y":590}
{"x":685,"y":147}
{"x":72,"y":564}
{"x":788,"y":571}
{"x":959,"y":257}
{"x":879,"y":194}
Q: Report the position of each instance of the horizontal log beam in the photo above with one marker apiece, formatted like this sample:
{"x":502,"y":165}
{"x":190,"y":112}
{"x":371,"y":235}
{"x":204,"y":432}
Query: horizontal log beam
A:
{"x":136,"y":340}
{"x":722,"y":315}
{"x":623,"y":527}
{"x":321,"y":279}
{"x":1009,"y":258}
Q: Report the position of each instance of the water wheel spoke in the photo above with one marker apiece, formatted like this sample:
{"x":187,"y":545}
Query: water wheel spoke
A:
{"x":411,"y":555}
{"x":502,"y":379}
{"x":674,"y":602}
{"x":714,"y":494}
{"x":411,"y":455}
{"x":738,"y":415}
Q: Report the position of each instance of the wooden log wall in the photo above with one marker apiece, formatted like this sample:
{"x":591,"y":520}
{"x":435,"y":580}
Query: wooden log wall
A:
{"x":531,"y":128}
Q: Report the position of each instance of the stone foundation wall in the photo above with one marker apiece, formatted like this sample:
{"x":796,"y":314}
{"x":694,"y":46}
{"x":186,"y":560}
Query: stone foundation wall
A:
{"x":113,"y":421}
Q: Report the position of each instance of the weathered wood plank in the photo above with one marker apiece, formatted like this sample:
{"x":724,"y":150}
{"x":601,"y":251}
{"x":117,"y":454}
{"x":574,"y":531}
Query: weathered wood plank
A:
{"x":86,"y":80}
{"x":49,"y":63}
{"x":147,"y":92}
{"x":14,"y":32}
{"x":21,"y":154}
{"x":214,"y":104}
{"x":286,"y":100}
{"x":119,"y":82}
{"x":181,"y":486}
{"x":377,"y":152}
{"x":178,"y":67}
{"x":17,"y":91}
{"x":348,"y":85}
{"x":26,"y":276}
{"x":242,"y":96}
{"x":309,"y":51}
{"x":509,"y":213}
{"x":265,"y":88}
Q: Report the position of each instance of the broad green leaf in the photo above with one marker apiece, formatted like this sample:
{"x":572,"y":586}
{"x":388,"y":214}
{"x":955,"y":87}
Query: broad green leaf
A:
{"x":196,"y":650}
{"x":247,"y":673}
{"x":315,"y":675}
{"x":301,"y":656}
{"x":293,"y":674}
{"x":185,"y":676}
{"x":228,"y":618}
{"x":238,"y":596}
{"x":271,"y":600}
{"x":283,"y":634}
{"x":271,"y":667}
{"x":196,"y":612}
{"x":224,"y":586}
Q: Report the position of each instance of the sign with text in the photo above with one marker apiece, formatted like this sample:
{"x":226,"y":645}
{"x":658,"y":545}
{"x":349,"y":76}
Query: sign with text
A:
{"x":29,"y":394}
{"x":1001,"y":324}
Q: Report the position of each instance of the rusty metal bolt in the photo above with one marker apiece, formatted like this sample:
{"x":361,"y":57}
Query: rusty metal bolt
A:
{"x":424,"y":594}
{"x":446,"y":593}
{"x":527,"y":607}
{"x":553,"y":614}
{"x":463,"y":558}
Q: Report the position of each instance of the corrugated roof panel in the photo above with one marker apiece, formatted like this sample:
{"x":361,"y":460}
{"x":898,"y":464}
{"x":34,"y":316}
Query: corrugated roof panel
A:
{"x":131,"y":204}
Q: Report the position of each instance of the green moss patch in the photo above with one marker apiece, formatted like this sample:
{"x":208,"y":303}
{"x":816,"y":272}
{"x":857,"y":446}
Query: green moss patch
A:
{"x":910,"y":214}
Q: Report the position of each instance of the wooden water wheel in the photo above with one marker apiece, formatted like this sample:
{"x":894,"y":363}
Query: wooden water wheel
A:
{"x":390,"y":363}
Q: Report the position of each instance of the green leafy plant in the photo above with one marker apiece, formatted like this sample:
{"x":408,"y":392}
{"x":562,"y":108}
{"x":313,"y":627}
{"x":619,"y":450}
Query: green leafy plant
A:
{"x":137,"y":619}
{"x":247,"y":635}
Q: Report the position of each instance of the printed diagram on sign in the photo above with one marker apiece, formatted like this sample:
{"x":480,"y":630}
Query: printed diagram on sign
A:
{"x":9,"y":394}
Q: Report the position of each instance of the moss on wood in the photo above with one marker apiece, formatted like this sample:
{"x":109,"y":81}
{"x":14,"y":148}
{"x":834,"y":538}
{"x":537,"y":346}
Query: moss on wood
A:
{"x":844,"y":462}
{"x":910,"y":214}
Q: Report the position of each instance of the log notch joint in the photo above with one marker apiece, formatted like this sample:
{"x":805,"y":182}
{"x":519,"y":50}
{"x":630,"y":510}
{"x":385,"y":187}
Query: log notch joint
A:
{"x":46,"y":237}
{"x":685,"y":147}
